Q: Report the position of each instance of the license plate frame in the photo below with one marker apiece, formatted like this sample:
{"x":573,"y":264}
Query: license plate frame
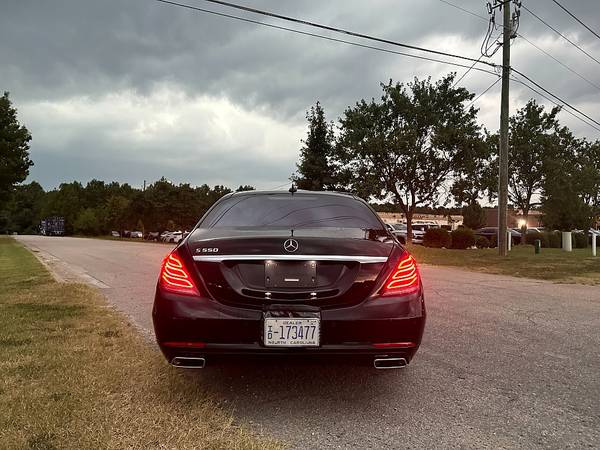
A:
{"x":292,"y":328}
{"x":290,"y":274}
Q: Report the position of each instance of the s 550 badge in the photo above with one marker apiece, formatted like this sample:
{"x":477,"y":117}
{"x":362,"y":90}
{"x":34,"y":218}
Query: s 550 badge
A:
{"x":207,"y":250}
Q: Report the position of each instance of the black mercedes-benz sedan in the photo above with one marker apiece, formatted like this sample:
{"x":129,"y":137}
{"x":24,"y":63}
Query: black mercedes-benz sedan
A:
{"x":289,"y":273}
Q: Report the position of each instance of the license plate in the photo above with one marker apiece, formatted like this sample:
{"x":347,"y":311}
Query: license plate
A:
{"x":292,"y":332}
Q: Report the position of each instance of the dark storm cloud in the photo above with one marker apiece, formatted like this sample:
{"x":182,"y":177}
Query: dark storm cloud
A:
{"x":61,"y":51}
{"x":62,"y":48}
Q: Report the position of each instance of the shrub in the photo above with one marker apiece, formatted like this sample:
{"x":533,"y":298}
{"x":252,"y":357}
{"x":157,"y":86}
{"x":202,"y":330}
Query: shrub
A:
{"x":553,"y":238}
{"x":437,"y":238}
{"x":532,"y":236}
{"x":463,"y":238}
{"x":494,"y":241}
{"x":580,"y":240}
{"x":482,"y":242}
{"x":473,"y":216}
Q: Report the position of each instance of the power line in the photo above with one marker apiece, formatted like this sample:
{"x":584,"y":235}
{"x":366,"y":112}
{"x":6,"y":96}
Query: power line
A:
{"x":182,"y":5}
{"x":533,"y":44}
{"x":464,"y":10}
{"x":483,"y":93}
{"x":342,"y":31}
{"x":555,"y":103}
{"x":591,"y":83}
{"x":577,"y":19}
{"x":559,"y":33}
{"x":467,"y":71}
{"x":554,"y":96}
{"x":320,"y":36}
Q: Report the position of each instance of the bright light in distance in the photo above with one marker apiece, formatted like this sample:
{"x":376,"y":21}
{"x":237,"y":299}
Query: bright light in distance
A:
{"x":522,"y":223}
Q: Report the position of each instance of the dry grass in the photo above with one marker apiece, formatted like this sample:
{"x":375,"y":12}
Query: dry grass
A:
{"x":551,"y":264}
{"x":75,"y":374}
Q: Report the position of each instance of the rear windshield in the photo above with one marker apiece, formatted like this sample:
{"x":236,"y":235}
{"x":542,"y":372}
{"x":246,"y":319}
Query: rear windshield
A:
{"x":291,"y":211}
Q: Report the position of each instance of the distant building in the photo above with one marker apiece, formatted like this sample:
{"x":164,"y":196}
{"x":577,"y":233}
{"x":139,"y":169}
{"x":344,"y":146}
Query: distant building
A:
{"x":514,"y":218}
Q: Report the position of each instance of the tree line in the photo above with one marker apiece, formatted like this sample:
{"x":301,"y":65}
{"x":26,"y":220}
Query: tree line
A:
{"x":99,"y":207}
{"x":420,"y":145}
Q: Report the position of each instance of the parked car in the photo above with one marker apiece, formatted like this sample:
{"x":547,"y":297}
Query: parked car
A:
{"x":136,"y":234}
{"x":419,"y":229}
{"x":175,"y":237}
{"x":398,"y":230}
{"x":172,"y":236}
{"x":530,"y":230}
{"x":152,"y":236}
{"x":490,"y":232}
{"x":272,"y":273}
{"x":163,"y":236}
{"x":115,"y":234}
{"x":126,"y":233}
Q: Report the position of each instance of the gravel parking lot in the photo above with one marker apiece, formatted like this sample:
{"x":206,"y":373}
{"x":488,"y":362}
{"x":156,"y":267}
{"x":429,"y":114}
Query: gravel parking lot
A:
{"x":505,"y":363}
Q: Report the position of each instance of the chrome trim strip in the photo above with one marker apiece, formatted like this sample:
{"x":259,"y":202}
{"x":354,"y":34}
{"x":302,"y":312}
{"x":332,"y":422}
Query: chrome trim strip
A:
{"x":354,"y":258}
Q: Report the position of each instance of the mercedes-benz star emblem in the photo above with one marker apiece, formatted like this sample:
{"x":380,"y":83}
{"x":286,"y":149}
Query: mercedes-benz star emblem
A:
{"x":291,"y":245}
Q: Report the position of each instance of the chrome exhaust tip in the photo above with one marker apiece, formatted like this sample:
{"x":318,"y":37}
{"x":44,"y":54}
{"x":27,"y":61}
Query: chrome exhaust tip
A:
{"x":188,"y":362}
{"x":390,"y":363}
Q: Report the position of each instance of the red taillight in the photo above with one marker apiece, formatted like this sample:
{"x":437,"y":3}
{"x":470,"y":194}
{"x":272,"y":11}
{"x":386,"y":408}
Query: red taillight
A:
{"x":404,"y":279}
{"x":174,"y":277}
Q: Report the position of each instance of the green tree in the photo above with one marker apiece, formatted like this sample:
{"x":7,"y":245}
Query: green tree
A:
{"x":533,"y":142}
{"x":14,"y":149}
{"x":588,"y":161}
{"x":244,"y":188}
{"x":563,"y":207}
{"x":473,"y":216}
{"x":562,"y":196}
{"x":475,"y":173}
{"x":87,"y":222}
{"x":117,"y":208}
{"x":314,"y":171}
{"x":22,"y":212}
{"x":406,"y":146}
{"x":95,"y":194}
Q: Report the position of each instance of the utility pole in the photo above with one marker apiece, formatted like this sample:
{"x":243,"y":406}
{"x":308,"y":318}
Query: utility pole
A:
{"x":503,"y":174}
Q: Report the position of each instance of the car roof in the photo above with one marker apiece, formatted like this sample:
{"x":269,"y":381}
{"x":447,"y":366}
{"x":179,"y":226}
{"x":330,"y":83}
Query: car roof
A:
{"x":298,"y":192}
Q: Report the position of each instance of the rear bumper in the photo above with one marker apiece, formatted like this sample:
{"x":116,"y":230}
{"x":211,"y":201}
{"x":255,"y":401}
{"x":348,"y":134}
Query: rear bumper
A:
{"x":202,"y":327}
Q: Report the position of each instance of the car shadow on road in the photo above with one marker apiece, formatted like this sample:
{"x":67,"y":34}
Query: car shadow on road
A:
{"x":265,"y":389}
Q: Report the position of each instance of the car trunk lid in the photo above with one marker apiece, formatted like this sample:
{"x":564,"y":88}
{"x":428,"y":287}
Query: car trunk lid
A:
{"x":324,"y":267}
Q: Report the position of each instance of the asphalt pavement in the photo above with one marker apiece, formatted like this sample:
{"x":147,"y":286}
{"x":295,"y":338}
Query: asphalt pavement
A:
{"x":505,"y":362}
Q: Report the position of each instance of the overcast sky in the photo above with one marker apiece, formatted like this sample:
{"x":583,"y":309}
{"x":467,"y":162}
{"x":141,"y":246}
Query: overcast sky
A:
{"x":129,"y":90}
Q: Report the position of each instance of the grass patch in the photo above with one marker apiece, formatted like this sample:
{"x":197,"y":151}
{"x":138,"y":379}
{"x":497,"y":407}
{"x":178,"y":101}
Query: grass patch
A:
{"x":552,"y":264}
{"x":75,"y":374}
